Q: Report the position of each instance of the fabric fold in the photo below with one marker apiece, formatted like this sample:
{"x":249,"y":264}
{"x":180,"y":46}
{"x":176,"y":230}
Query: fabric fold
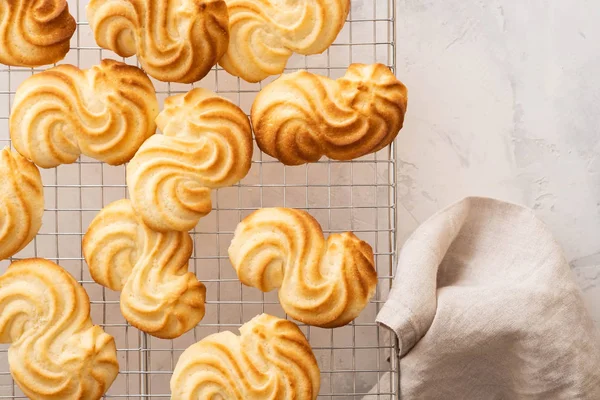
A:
{"x":485,"y":307}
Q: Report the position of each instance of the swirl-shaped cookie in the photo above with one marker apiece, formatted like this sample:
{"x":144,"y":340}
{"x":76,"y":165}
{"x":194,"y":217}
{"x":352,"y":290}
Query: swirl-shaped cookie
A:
{"x":34,"y":32}
{"x":321,"y":283}
{"x":21,"y":200}
{"x":159,"y":295}
{"x":265,"y":33}
{"x":175,"y":40}
{"x":56,"y":352}
{"x":302,"y":116}
{"x":105,"y":112}
{"x":207,"y":144}
{"x":271,"y":359}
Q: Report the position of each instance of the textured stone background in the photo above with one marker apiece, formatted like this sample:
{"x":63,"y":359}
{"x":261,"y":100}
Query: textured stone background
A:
{"x":504,"y":101}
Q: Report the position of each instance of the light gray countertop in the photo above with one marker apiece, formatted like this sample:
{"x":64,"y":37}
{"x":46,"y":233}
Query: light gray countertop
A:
{"x":504,"y":101}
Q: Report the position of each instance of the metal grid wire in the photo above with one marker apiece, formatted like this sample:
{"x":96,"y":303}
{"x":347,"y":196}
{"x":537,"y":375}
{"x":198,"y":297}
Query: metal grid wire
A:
{"x":359,"y":196}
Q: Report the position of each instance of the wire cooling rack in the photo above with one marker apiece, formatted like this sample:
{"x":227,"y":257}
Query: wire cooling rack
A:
{"x":359,"y":196}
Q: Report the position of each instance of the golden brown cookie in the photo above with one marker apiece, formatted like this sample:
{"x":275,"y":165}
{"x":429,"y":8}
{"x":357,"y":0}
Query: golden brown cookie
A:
{"x":325,"y":283}
{"x":174,"y":40}
{"x":266,"y":33}
{"x":206,"y":144}
{"x":271,"y":359}
{"x":301,"y":117}
{"x":21,"y":200}
{"x":105,"y":112}
{"x":56,"y":352}
{"x":34,"y":32}
{"x":158,"y":294}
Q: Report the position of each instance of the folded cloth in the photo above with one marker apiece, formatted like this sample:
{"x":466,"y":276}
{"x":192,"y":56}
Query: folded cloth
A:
{"x":485,"y":307}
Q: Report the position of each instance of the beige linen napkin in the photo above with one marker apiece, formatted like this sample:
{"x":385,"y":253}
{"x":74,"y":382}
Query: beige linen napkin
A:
{"x":485,"y":307}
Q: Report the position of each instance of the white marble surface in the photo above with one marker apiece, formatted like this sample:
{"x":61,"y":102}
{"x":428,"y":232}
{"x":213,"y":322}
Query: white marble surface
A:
{"x":504,"y":100}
